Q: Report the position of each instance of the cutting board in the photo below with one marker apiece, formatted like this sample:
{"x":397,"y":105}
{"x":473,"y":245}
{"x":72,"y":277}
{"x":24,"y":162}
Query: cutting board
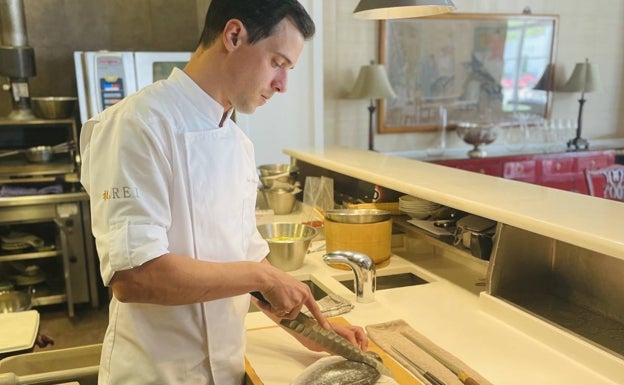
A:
{"x":274,"y":357}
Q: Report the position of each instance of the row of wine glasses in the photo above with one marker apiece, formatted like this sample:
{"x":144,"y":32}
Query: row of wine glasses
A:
{"x":552,"y":134}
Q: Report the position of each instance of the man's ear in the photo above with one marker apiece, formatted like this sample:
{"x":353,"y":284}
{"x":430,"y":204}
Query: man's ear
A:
{"x":234,"y":34}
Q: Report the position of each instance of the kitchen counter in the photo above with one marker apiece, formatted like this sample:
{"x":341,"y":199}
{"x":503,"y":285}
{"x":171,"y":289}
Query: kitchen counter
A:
{"x":500,"y":341}
{"x":581,"y":220}
{"x":446,"y":310}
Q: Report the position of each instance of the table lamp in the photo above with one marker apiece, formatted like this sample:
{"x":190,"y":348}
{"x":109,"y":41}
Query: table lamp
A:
{"x":545,"y":82}
{"x":401,"y":9}
{"x":584,"y":79}
{"x":372,"y":83}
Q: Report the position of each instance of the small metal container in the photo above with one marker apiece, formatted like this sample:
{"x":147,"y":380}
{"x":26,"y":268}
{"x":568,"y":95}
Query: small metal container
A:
{"x":39,"y":154}
{"x":15,"y":300}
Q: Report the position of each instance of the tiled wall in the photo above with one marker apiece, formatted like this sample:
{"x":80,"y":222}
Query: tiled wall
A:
{"x":586,"y":29}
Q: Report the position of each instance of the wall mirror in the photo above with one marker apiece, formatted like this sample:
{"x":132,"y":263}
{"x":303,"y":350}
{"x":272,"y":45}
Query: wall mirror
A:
{"x":501,"y":63}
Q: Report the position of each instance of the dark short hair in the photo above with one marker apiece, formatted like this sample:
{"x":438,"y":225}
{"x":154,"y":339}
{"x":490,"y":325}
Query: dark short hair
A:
{"x":259,"y":17}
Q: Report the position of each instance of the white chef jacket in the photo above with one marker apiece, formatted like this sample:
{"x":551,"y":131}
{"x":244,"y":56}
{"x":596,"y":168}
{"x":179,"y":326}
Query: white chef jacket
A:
{"x":163,"y":177}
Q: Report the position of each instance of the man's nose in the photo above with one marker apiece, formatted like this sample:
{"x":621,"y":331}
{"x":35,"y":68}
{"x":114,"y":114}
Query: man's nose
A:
{"x":280,"y":82}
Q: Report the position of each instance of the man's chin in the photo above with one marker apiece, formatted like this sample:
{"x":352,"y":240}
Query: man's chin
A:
{"x":247,"y":110}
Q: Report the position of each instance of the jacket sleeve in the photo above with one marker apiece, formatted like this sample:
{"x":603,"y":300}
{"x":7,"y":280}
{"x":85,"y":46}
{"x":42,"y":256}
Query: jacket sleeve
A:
{"x":126,"y":173}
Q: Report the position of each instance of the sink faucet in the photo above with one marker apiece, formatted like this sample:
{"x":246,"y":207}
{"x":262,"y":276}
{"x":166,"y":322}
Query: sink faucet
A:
{"x":364,"y":269}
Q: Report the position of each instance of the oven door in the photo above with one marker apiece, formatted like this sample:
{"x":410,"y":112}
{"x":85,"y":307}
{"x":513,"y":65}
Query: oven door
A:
{"x":103,"y":78}
{"x":154,"y":66}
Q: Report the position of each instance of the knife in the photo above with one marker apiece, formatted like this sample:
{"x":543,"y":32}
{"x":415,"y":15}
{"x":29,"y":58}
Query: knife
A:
{"x":309,"y":328}
{"x":461,"y":375}
{"x":421,"y":374}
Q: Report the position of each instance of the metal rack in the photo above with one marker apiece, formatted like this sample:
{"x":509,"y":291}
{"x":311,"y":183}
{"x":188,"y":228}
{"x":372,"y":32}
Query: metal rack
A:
{"x":63,"y":218}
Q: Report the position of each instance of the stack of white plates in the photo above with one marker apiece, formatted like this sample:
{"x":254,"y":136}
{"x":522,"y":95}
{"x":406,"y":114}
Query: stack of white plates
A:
{"x":416,"y":207}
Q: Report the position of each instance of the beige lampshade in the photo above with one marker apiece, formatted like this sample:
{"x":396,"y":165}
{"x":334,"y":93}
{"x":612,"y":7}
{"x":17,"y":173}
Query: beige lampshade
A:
{"x":372,"y":83}
{"x":584,"y":78}
{"x":401,"y":9}
{"x":545,"y":83}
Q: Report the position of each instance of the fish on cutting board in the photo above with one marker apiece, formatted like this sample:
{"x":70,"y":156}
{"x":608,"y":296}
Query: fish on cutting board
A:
{"x":334,"y":370}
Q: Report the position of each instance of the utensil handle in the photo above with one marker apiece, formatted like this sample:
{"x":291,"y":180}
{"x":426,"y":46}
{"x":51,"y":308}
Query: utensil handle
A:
{"x":466,"y":379}
{"x":9,"y":153}
{"x":261,"y":298}
{"x":433,"y":379}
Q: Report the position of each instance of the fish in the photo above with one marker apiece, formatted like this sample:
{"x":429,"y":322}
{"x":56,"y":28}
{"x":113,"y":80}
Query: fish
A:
{"x":330,"y":340}
{"x":337,"y":371}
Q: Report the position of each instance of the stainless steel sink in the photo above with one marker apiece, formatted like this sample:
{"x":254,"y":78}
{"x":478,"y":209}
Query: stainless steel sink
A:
{"x":316,"y":290}
{"x":317,"y":293}
{"x":391,"y":281}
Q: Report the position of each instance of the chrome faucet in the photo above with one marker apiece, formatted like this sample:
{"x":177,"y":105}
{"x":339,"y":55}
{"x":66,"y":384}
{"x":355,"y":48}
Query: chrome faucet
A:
{"x":363,"y":268}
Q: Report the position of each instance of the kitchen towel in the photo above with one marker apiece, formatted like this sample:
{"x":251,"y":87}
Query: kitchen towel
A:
{"x":332,"y":305}
{"x":389,"y":334}
{"x":14,"y":191}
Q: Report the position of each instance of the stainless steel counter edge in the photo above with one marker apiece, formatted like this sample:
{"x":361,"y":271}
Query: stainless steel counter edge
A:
{"x":43,"y":199}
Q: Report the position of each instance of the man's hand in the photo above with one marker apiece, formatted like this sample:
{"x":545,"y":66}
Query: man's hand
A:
{"x":353,"y":334}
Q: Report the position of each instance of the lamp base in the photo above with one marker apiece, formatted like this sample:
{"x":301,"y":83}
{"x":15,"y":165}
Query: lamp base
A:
{"x":578,"y":144}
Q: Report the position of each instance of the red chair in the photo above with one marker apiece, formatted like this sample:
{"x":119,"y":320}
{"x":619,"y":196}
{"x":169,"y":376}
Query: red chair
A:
{"x":606,"y":182}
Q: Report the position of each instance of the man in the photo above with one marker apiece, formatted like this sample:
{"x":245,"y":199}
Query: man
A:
{"x":173,"y":185}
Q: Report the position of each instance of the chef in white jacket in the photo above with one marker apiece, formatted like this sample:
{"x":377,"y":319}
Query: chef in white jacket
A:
{"x":172,"y":182}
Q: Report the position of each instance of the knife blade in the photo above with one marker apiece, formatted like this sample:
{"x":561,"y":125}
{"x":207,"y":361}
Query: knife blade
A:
{"x":461,"y":374}
{"x":309,"y":328}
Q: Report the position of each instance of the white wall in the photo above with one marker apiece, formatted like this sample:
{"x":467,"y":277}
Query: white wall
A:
{"x":592,"y":29}
{"x":293,"y":119}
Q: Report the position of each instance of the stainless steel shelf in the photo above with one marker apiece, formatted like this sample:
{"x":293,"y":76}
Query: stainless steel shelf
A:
{"x":49,"y":299}
{"x":44,"y":199}
{"x":30,"y":255}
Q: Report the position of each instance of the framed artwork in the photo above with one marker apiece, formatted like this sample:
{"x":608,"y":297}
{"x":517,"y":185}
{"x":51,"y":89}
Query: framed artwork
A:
{"x":501,"y":63}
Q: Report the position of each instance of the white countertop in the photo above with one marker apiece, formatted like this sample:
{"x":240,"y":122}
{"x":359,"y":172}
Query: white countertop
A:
{"x":585,"y":221}
{"x":504,"y":344}
{"x":451,"y":316}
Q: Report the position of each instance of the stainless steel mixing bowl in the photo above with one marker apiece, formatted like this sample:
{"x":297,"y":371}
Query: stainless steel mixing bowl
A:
{"x":288,"y":243}
{"x":53,"y":107}
{"x":281,"y":201}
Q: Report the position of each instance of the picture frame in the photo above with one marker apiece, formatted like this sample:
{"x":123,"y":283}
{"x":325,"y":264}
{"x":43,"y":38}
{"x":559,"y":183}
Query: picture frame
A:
{"x":502,"y":63}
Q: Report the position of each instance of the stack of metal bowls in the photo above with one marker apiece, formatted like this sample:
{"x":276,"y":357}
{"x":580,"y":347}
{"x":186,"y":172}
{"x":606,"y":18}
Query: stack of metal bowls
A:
{"x":288,"y":243}
{"x":278,"y":181}
{"x":271,"y":173}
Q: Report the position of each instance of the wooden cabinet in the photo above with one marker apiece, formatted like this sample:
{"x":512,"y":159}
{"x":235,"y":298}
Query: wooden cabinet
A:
{"x":562,"y":171}
{"x":523,"y":170}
